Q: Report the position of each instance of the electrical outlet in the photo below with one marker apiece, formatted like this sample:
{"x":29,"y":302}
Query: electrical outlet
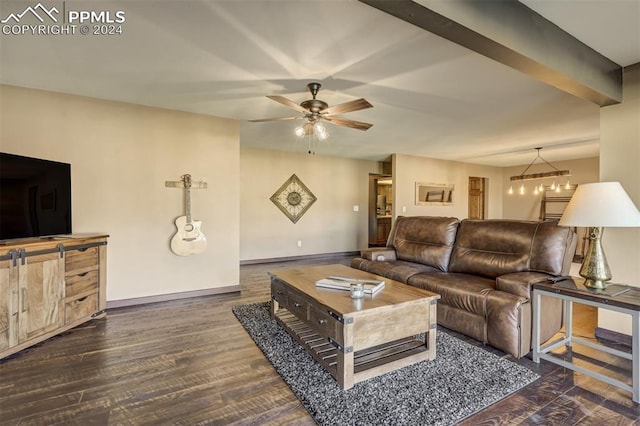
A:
{"x":356,"y":208}
{"x":404,"y":209}
{"x":299,"y":243}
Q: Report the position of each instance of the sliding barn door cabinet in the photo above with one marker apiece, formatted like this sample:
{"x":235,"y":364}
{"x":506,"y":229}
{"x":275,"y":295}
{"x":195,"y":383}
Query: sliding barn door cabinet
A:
{"x":48,"y":286}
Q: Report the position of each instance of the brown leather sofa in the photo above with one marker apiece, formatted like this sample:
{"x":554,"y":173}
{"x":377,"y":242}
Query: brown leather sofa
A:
{"x":482,"y":270}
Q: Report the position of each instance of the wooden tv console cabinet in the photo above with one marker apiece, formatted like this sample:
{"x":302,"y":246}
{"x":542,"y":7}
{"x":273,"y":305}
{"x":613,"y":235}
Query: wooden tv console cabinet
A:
{"x":49,"y":285}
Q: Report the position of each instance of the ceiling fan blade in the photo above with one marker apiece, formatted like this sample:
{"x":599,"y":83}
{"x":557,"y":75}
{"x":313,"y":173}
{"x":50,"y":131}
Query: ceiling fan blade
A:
{"x":274,"y":119}
{"x":348,"y":123}
{"x":288,"y":103}
{"x":356,"y":105}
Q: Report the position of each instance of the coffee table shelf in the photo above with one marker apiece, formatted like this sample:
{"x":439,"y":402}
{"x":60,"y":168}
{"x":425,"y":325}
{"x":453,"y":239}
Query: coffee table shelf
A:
{"x":402,"y":350}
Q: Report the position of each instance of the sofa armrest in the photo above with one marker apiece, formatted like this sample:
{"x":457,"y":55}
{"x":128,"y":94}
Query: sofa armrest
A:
{"x":519,"y":283}
{"x":379,"y":254}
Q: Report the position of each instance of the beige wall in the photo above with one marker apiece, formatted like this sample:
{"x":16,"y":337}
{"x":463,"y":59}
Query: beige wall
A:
{"x":527,"y":206}
{"x":407,"y":170}
{"x":120,"y":157}
{"x":329,"y":226}
{"x":122,"y":154}
{"x":620,"y":161}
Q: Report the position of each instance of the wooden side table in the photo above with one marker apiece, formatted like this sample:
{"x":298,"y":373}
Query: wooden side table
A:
{"x":574,"y":291}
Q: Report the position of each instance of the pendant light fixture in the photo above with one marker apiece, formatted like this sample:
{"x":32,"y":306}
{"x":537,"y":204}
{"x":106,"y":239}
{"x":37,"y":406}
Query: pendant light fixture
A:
{"x":554,"y":173}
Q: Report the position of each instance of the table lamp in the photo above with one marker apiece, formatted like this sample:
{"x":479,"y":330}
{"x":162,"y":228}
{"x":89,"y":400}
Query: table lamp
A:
{"x":595,"y":206}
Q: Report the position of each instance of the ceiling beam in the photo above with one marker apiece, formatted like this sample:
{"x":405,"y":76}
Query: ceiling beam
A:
{"x":510,"y":33}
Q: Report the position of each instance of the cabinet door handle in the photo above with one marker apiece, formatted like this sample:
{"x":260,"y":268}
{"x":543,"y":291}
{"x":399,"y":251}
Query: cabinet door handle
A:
{"x":84,"y":274}
{"x":24,"y":300}
{"x":297,"y":305}
{"x":322,"y":321}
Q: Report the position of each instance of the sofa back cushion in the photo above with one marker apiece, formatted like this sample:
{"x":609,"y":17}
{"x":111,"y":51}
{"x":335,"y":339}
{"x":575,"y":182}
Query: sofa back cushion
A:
{"x":492,"y":248}
{"x":424,"y":239}
{"x":553,"y":249}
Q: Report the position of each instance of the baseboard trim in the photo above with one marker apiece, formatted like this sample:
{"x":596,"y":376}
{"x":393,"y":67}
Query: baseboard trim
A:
{"x":112,"y":304}
{"x":613,"y":336}
{"x":305,"y":257}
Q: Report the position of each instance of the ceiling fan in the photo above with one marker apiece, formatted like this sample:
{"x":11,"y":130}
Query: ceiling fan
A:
{"x":315,"y":111}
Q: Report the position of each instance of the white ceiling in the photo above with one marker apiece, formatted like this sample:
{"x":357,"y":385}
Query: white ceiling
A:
{"x":431,"y":97}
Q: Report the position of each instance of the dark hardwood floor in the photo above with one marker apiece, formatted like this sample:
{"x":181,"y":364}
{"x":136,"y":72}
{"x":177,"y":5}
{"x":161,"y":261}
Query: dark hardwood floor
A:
{"x":190,"y":362}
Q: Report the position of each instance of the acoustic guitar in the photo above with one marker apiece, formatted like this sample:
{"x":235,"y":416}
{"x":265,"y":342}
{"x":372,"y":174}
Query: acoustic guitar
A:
{"x":188,"y":239}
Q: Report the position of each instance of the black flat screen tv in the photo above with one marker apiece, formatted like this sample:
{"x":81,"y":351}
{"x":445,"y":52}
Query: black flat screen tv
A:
{"x":35,"y":197}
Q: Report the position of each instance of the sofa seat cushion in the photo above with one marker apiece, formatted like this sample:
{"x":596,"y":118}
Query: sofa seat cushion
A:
{"x":396,"y":270}
{"x":461,"y":291}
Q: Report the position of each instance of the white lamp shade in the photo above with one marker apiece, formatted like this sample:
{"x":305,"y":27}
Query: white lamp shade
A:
{"x":601,"y":204}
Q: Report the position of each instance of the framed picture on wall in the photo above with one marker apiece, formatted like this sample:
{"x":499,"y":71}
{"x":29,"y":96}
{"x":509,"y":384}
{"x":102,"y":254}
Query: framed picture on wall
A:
{"x":434,"y":193}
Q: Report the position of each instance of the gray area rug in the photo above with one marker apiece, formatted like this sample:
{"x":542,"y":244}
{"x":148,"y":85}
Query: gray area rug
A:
{"x":462,"y":380}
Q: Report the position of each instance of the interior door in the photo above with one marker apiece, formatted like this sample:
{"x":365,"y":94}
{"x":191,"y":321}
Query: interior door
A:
{"x":477,"y":197}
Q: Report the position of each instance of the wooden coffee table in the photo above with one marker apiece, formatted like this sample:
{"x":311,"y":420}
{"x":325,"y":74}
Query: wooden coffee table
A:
{"x":355,"y":339}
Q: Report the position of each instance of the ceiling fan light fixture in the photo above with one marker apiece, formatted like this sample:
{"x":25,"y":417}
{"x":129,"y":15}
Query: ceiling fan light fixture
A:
{"x":320,"y":131}
{"x":317,"y":112}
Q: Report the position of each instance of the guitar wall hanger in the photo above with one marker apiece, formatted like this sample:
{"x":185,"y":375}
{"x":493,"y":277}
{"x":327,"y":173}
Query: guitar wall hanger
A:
{"x":180,"y":183}
{"x":188,"y":238}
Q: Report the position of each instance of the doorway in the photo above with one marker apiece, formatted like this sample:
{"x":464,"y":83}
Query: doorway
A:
{"x":477,"y":197}
{"x":380,"y":209}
